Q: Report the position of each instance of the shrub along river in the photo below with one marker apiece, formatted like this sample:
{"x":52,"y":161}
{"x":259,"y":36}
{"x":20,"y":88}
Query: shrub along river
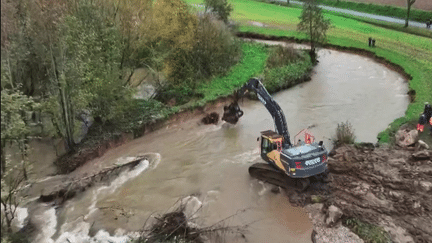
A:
{"x":211,"y":161}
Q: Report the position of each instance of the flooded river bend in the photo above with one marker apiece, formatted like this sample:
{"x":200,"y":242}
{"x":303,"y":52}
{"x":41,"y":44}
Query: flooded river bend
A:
{"x":211,"y":161}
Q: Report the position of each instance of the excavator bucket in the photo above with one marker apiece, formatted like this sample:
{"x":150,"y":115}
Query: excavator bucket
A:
{"x":232,"y":113}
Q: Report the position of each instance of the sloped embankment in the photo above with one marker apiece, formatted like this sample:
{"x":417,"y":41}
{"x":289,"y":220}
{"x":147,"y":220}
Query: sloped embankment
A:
{"x":388,"y":187}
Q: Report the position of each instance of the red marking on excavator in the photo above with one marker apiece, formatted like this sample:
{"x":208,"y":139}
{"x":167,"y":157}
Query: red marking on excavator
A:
{"x":420,"y":127}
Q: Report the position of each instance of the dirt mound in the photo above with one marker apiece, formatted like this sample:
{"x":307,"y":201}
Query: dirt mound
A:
{"x":388,"y":187}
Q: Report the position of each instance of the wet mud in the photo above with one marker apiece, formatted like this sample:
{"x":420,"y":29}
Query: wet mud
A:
{"x":389,"y":187}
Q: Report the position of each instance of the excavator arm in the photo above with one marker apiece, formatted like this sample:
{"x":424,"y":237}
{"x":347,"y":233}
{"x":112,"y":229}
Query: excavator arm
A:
{"x":285,"y":161}
{"x":272,"y":106}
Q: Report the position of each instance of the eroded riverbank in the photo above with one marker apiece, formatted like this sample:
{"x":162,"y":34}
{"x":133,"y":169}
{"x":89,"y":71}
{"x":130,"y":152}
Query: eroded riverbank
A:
{"x":389,"y":187}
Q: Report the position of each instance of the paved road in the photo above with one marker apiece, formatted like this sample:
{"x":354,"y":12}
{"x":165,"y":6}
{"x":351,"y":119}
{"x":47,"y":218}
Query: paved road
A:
{"x":361,"y":14}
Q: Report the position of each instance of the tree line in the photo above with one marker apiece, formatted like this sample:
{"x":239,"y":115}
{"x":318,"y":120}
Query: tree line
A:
{"x":77,"y":56}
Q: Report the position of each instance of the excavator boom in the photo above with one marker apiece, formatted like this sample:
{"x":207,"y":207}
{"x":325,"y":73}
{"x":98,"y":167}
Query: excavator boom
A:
{"x":267,"y":100}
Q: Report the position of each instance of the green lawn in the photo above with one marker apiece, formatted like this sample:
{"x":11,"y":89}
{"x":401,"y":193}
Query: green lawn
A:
{"x":413,"y":53}
{"x":251,"y":64}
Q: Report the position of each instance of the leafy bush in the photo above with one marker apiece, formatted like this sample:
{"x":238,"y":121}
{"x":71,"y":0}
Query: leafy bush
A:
{"x":221,"y":7}
{"x":344,"y":134}
{"x":283,"y":75}
{"x":179,"y":94}
{"x":214,"y":52}
{"x":216,"y":49}
{"x":282,"y":56}
{"x":141,"y":112}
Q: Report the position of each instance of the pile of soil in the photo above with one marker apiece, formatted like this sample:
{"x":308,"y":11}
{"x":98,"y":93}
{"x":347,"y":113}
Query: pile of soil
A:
{"x":388,"y":187}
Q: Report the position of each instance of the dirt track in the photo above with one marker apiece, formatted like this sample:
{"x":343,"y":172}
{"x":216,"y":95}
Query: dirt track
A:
{"x":421,"y":4}
{"x":386,"y":187}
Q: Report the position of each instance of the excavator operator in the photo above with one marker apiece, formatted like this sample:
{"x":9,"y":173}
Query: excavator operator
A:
{"x":425,"y":117}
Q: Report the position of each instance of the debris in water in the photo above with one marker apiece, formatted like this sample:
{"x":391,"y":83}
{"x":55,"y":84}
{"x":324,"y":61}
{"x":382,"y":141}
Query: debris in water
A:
{"x":212,"y":118}
{"x":178,"y":225}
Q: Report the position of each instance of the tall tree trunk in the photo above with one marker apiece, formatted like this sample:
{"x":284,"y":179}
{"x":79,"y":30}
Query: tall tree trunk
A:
{"x":409,"y":3}
{"x":64,"y":103}
{"x":66,"y":116}
{"x":23,"y":150}
{"x":10,"y":72}
{"x":3,"y":158}
{"x":312,"y":53}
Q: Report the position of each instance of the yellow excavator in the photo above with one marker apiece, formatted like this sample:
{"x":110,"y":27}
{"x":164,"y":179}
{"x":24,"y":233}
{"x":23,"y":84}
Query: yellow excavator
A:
{"x":287,"y":163}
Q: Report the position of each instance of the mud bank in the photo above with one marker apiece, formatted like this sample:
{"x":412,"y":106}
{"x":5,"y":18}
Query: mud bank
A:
{"x":388,"y":187}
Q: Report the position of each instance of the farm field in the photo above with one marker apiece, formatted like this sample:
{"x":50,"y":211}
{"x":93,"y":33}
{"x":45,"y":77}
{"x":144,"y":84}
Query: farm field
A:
{"x":411,"y":52}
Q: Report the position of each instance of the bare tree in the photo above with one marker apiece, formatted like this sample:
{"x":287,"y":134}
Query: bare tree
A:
{"x":14,"y":130}
{"x":11,"y":183}
{"x":409,"y":3}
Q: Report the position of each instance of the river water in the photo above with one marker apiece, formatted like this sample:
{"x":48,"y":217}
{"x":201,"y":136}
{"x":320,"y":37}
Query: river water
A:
{"x":211,"y":161}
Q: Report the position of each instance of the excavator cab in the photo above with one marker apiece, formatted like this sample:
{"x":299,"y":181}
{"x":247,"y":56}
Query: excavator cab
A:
{"x":271,"y":147}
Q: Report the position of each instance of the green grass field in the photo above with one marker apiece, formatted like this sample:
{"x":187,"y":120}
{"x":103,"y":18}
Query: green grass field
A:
{"x":412,"y":52}
{"x":399,"y":27}
{"x":252,"y":63}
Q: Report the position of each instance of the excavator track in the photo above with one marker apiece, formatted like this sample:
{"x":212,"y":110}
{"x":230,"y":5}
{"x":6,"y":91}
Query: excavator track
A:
{"x":266,"y":173}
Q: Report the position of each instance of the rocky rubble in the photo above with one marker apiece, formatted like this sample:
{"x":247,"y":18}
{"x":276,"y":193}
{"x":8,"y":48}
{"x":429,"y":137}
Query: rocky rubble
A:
{"x":388,"y":187}
{"x":323,"y":232}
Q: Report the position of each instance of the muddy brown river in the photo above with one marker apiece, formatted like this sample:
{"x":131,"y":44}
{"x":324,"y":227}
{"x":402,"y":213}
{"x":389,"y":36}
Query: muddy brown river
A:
{"x":211,"y":161}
